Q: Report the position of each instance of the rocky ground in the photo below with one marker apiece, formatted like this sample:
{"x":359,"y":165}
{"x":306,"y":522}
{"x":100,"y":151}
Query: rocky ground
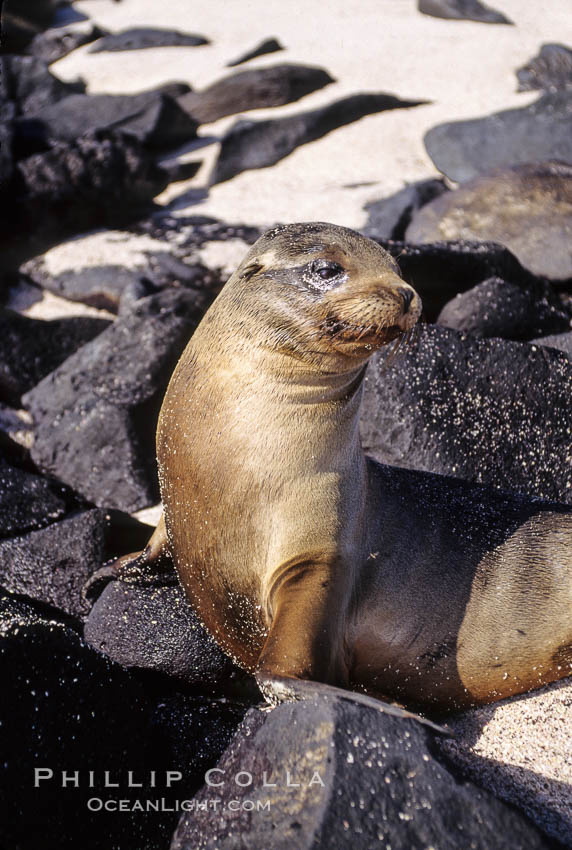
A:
{"x":142,"y":150}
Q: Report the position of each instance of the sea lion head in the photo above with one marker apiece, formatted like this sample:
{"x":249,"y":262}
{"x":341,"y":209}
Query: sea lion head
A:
{"x":323,"y":293}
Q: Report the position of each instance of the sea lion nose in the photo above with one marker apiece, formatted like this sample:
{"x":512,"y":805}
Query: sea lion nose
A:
{"x":408,"y":295}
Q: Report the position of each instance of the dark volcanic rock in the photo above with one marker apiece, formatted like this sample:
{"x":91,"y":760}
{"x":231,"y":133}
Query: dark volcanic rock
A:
{"x":550,"y":70}
{"x":189,"y":735}
{"x":139,"y":38}
{"x":22,"y":20}
{"x":32,"y":348}
{"x":191,"y":233}
{"x":269,"y":45}
{"x":116,"y":288}
{"x":178,"y":170}
{"x":540,"y":131}
{"x":161,"y":125}
{"x":98,"y":286}
{"x":363,"y":779}
{"x":54,"y":44}
{"x":28,"y":501}
{"x":68,"y":708}
{"x":123,"y":625}
{"x":498,"y":308}
{"x":168,"y":270}
{"x":470,"y":10}
{"x":389,"y":217}
{"x":443,"y":269}
{"x":257,"y":144}
{"x":100,"y":179}
{"x":95,"y":416}
{"x":53,"y":564}
{"x":528,"y":208}
{"x":562,"y":342}
{"x":152,"y":117}
{"x":27,"y":82}
{"x":6,"y":152}
{"x":485,"y":410}
{"x":258,"y":89}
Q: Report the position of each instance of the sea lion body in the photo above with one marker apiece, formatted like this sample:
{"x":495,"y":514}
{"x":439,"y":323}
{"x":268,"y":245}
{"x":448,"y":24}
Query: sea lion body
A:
{"x":303,"y":557}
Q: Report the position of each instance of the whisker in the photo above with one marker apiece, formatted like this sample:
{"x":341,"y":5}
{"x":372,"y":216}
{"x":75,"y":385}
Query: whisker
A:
{"x":389,"y":357}
{"x":399,"y":346}
{"x":367,"y":329}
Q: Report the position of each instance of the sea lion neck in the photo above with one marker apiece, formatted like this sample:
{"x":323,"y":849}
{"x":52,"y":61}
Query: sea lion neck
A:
{"x":267,"y":352}
{"x":313,"y":386}
{"x":260,"y":369}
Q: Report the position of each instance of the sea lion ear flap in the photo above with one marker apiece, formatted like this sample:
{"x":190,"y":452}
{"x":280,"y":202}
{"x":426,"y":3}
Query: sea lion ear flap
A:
{"x":251,"y":269}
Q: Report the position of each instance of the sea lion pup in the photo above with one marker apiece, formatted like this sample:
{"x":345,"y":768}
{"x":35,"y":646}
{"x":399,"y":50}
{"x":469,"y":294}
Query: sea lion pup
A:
{"x":307,"y":560}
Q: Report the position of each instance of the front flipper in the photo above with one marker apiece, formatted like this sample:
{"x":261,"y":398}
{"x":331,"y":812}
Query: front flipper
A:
{"x":307,"y":608}
{"x":277,"y":689}
{"x":306,"y":654}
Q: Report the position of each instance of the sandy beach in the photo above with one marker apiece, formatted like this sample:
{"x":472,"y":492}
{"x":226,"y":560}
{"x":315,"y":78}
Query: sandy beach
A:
{"x":465,"y":69}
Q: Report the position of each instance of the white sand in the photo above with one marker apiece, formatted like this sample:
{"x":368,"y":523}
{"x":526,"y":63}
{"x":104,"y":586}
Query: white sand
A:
{"x":520,"y":749}
{"x":466,"y":69}
{"x":97,"y":248}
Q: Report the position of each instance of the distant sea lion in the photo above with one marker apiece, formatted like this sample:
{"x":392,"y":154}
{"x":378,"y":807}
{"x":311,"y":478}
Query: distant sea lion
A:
{"x":307,"y":560}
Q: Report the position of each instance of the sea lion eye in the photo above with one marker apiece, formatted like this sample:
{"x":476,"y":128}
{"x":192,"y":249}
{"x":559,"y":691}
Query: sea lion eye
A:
{"x":325,"y":269}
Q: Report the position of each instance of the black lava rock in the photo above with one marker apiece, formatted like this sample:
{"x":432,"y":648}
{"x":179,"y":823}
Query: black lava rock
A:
{"x":22,"y":20}
{"x":441,"y":270}
{"x":485,"y":410}
{"x":27,"y":82}
{"x":69,"y":709}
{"x":551,"y":70}
{"x":152,"y":117}
{"x":258,"y":89}
{"x":32,"y":348}
{"x":98,"y":286}
{"x":332,"y":774}
{"x":498,"y":308}
{"x":54,"y":44}
{"x":190,"y":233}
{"x":28,"y":501}
{"x":116,"y":287}
{"x":269,"y":45}
{"x":258,"y":144}
{"x":562,"y":342}
{"x":138,"y":288}
{"x":53,"y":564}
{"x":140,"y":38}
{"x":540,"y":131}
{"x":66,"y":708}
{"x":469,"y":10}
{"x":96,"y":414}
{"x":123,"y":625}
{"x":178,"y":170}
{"x":528,"y":208}
{"x":6,"y":151}
{"x":389,"y":217}
{"x":101,"y":179}
{"x":189,"y":733}
{"x":168,"y":270}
